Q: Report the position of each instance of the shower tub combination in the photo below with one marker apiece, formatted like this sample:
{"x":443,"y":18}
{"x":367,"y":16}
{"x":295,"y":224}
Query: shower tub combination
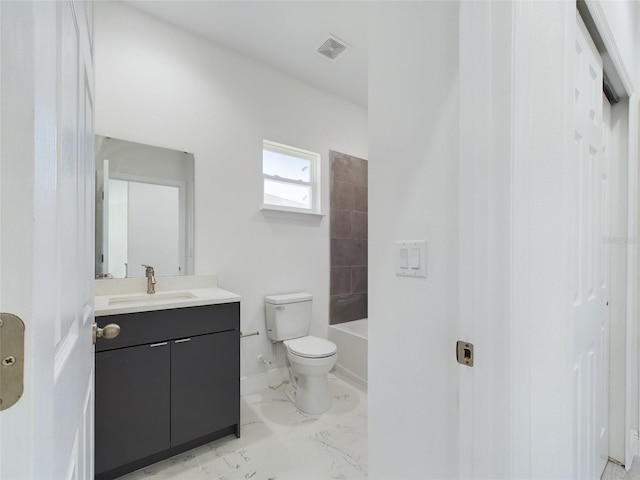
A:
{"x":351,"y":338}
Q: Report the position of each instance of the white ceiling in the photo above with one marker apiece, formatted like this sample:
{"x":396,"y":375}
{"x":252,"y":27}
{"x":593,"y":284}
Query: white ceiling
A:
{"x":282,"y":34}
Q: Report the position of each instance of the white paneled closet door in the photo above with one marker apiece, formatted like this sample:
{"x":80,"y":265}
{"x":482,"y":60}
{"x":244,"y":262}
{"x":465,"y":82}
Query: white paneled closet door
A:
{"x":590,"y":263}
{"x":47,"y":234}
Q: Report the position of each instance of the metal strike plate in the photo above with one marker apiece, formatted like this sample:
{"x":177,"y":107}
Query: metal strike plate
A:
{"x":464,"y":353}
{"x":11,"y":360}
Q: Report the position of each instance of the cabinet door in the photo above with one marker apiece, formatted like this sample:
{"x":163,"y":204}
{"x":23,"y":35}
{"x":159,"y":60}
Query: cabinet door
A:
{"x":132,"y":404}
{"x":205,"y":385}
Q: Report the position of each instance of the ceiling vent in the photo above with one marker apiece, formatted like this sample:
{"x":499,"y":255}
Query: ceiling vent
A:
{"x":333,"y":48}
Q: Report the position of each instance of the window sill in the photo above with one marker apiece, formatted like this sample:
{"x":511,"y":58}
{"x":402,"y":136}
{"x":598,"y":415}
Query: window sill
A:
{"x":290,"y":213}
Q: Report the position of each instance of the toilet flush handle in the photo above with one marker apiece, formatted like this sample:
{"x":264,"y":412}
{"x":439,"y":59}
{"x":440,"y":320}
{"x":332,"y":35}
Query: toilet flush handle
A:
{"x":280,"y":308}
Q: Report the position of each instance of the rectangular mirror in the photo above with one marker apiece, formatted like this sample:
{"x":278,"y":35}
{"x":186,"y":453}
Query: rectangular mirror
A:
{"x":144,"y":209}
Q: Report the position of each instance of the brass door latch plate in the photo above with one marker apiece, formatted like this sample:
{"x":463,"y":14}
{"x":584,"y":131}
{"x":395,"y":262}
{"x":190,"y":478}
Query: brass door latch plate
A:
{"x":464,"y":353}
{"x":11,"y":360}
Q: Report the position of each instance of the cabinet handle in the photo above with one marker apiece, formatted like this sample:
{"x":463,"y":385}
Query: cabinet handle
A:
{"x":183,"y":340}
{"x":157,"y":344}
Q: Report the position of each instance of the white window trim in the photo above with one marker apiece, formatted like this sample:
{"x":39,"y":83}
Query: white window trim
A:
{"x":314,"y":183}
{"x":287,"y":212}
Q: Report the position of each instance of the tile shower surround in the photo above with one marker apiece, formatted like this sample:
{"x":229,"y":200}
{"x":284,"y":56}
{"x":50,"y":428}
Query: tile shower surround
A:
{"x":348,"y":233}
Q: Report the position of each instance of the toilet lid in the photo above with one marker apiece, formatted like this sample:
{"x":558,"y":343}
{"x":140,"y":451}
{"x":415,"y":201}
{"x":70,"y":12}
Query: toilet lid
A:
{"x":311,"y":347}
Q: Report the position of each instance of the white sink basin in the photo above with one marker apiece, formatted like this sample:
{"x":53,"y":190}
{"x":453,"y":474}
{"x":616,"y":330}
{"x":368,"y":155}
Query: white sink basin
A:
{"x":150,"y":298}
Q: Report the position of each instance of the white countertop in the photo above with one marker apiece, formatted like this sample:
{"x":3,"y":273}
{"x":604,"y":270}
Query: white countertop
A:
{"x":121,"y":296}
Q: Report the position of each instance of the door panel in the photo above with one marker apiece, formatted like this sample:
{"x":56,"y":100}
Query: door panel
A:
{"x":590,"y":266}
{"x":73,"y":368}
{"x":47,"y":232}
{"x":200,"y":399}
{"x":132,"y":404}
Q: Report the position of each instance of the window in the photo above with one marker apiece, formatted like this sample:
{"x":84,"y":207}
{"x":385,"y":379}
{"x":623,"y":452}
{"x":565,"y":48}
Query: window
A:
{"x":290,"y":178}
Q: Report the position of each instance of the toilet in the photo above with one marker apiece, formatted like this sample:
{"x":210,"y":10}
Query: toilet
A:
{"x":309,"y":359}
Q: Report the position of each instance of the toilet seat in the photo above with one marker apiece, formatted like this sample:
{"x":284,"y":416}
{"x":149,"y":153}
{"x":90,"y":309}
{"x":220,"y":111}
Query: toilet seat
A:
{"x":311,"y":347}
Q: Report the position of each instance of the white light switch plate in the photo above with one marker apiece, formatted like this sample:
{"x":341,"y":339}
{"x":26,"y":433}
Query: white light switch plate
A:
{"x":411,"y":258}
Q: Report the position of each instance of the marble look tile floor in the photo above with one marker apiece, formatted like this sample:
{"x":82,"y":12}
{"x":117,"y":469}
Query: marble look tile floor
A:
{"x":616,"y":472}
{"x":278,"y":442}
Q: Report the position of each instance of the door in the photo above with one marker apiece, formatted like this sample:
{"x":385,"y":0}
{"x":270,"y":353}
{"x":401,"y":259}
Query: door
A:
{"x":132,"y":401}
{"x":46,"y":234}
{"x":153,"y":237}
{"x":590,"y":274}
{"x":207,"y":399}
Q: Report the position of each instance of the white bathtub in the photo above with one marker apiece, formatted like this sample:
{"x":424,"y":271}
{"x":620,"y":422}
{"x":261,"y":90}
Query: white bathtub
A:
{"x":351,"y":340}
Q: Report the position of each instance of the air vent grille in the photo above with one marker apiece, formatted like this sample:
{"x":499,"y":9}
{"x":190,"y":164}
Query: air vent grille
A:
{"x":332,"y":48}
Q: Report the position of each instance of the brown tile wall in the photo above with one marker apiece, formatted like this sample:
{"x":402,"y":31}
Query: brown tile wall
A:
{"x":348,"y":231}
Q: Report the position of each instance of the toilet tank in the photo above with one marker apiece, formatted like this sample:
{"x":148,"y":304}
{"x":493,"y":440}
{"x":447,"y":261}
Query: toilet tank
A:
{"x":288,"y":316}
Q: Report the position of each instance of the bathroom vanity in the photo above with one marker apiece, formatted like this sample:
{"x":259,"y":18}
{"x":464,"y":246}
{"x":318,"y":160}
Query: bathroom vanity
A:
{"x":170,"y":381}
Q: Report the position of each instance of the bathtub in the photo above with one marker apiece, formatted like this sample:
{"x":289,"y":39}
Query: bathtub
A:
{"x":351,"y":340}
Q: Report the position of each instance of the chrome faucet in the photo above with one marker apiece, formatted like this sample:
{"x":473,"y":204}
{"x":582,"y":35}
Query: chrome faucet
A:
{"x":151,"y":279}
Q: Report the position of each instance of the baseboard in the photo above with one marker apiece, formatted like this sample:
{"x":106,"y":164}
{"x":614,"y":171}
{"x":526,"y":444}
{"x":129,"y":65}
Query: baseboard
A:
{"x":275,"y":377}
{"x":351,"y":377}
{"x":635,"y":443}
{"x":272,"y":378}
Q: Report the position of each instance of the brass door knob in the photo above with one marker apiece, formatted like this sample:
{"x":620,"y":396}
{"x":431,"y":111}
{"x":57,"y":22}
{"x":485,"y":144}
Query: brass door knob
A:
{"x":108,"y":332}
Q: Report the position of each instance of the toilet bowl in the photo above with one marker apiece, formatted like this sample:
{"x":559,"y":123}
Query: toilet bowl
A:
{"x":309,"y":360}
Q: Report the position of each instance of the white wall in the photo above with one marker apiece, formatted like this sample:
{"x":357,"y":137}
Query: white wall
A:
{"x":159,"y":85}
{"x":413,"y":194}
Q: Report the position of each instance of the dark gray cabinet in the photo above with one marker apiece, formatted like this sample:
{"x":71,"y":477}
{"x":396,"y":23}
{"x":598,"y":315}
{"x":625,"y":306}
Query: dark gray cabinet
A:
{"x":169,"y":382}
{"x":198,"y":407}
{"x":132,"y":416}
